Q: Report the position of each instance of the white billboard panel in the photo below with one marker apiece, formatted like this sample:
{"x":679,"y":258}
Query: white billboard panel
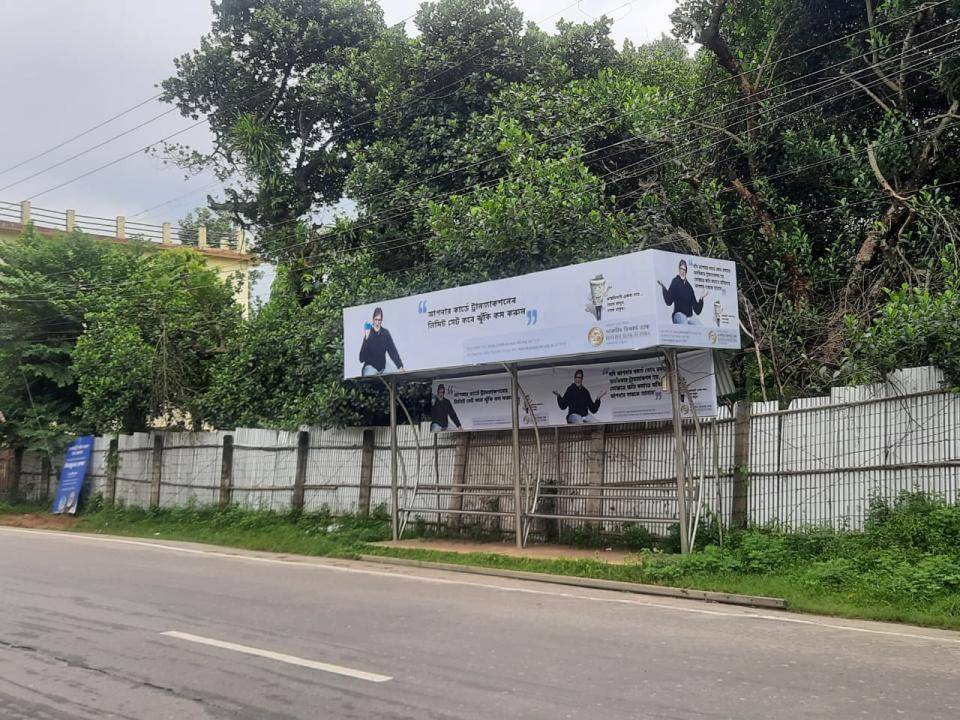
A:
{"x":571,"y":395}
{"x":630,"y":302}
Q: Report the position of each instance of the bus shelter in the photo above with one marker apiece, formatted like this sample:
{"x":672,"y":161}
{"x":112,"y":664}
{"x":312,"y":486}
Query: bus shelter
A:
{"x":633,"y":335}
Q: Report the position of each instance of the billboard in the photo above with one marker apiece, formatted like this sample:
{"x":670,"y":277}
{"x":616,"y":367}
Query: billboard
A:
{"x":573,"y":395}
{"x":75,"y":464}
{"x":631,"y":302}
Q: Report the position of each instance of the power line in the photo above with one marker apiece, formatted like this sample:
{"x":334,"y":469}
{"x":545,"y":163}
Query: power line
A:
{"x":385,"y":215}
{"x":404,"y":210}
{"x":606,"y":121}
{"x":826,"y":44}
{"x":619,"y":169}
{"x":394,"y":246}
{"x":647,"y":246}
{"x":815,"y":211}
{"x":421,"y":83}
{"x":79,"y":135}
{"x":88,"y":150}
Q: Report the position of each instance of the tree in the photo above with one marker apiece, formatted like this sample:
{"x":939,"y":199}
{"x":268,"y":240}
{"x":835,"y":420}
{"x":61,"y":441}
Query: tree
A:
{"x":148,"y":351}
{"x":285,"y":367}
{"x":97,"y":336}
{"x":44,"y":299}
{"x":803,"y":140}
{"x":221,"y":232}
{"x":272,"y":78}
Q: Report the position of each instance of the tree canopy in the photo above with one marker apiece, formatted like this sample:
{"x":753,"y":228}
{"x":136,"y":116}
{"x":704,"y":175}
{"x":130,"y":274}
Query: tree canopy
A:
{"x":816,"y":143}
{"x":96,"y":336}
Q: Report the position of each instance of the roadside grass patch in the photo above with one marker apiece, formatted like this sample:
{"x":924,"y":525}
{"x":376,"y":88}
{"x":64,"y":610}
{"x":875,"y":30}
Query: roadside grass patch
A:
{"x":21,"y":507}
{"x":903,"y":567}
{"x":316,"y":533}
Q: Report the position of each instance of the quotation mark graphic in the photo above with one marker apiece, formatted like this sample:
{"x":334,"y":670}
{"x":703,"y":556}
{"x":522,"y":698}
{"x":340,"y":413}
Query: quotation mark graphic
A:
{"x":531,"y":317}
{"x":422,"y":307}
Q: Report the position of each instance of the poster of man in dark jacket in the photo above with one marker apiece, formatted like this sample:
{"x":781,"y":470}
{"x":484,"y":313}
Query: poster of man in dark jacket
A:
{"x":378,"y":354}
{"x":577,"y":402}
{"x":442,"y":412}
{"x":680,"y":294}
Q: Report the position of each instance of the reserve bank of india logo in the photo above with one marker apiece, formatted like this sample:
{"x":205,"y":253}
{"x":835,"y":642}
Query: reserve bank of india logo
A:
{"x":712,"y":335}
{"x":595,"y":336}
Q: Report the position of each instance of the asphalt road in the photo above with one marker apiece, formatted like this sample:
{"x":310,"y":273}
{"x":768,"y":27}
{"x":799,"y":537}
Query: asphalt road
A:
{"x":94,"y":627}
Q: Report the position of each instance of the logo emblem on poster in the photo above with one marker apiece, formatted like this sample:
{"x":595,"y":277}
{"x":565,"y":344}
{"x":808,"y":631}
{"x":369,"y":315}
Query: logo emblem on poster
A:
{"x":598,"y":293}
{"x":595,"y":336}
{"x":712,"y":336}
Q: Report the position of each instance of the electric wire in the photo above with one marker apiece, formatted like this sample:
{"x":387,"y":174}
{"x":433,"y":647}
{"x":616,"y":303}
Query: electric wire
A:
{"x":794,"y":170}
{"x":620,"y":169}
{"x":79,"y":135}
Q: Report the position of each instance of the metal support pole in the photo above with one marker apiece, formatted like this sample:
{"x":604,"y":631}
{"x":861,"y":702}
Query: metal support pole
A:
{"x":394,"y":490}
{"x":515,"y":418}
{"x":436,"y":476}
{"x":678,"y":453}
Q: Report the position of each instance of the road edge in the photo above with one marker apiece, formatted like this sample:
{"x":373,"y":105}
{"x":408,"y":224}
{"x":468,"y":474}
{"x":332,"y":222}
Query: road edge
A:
{"x":754,"y":601}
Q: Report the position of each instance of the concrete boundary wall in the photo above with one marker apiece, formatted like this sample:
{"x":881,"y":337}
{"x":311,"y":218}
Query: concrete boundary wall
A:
{"x":818,"y":462}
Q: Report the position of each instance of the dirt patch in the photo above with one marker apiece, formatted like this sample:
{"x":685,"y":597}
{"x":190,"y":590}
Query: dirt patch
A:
{"x":39,"y":521}
{"x":533,"y":551}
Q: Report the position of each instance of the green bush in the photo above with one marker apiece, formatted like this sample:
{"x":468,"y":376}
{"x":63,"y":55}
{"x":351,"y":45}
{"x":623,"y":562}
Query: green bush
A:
{"x":914,"y":521}
{"x":832,"y":574}
{"x":637,"y":537}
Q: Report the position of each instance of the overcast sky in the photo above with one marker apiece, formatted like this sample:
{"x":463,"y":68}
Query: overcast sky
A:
{"x":71,"y":64}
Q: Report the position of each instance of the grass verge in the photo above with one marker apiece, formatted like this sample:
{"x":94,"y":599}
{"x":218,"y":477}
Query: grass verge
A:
{"x":904,"y":567}
{"x":21,"y":507}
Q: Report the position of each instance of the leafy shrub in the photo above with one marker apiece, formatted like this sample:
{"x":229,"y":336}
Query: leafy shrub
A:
{"x":832,"y":574}
{"x":637,"y":537}
{"x":914,"y":521}
{"x":585,"y":536}
{"x":914,"y":326}
{"x":762,"y":552}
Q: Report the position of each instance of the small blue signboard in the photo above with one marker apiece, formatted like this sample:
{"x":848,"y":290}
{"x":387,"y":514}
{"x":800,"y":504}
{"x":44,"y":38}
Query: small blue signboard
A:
{"x":75,"y":465}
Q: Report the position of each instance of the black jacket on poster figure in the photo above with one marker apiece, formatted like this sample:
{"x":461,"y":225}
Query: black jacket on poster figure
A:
{"x":375,"y":347}
{"x":441,"y":411}
{"x":680,"y":294}
{"x":577,"y":401}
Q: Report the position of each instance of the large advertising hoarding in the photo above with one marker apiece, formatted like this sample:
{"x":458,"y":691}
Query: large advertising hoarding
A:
{"x":624,"y":303}
{"x":572,"y":395}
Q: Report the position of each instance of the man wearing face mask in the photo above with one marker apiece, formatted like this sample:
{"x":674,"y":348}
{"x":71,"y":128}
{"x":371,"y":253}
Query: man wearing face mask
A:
{"x":377,"y":345}
{"x":680,"y":294}
{"x":577,"y":401}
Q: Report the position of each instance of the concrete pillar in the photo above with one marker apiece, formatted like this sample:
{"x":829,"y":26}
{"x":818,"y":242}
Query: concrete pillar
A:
{"x":167,"y":234}
{"x":741,"y":462}
{"x":45,"y":471}
{"x":202,"y":236}
{"x":366,"y":472}
{"x":300,"y":479}
{"x":595,"y":469}
{"x":157,"y":471}
{"x":121,"y":227}
{"x":113,"y":464}
{"x":460,"y":455}
{"x":15,"y":472}
{"x":25,"y":212}
{"x":71,"y":223}
{"x":226,"y":471}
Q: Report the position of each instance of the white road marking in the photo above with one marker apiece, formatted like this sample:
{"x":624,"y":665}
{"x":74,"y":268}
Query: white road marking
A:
{"x":319,"y":564}
{"x":280,"y":657}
